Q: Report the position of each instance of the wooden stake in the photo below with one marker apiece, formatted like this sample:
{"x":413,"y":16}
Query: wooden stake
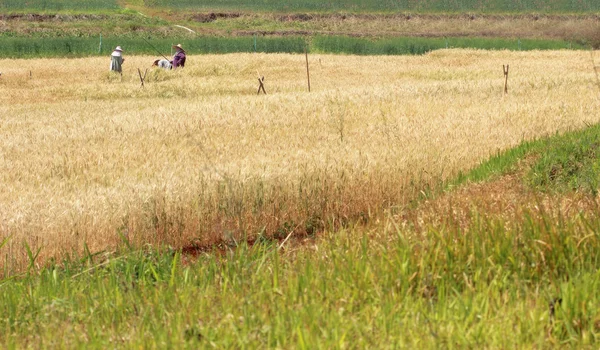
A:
{"x":596,"y":68}
{"x":505,"y":69}
{"x":307,"y":71}
{"x":142,"y":77}
{"x":261,"y":85}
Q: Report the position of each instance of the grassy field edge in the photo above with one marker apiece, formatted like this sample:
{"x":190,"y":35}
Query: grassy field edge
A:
{"x":444,"y":285}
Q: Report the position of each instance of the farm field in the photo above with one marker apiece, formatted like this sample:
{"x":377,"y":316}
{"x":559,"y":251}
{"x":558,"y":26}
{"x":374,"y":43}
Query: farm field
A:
{"x":494,"y":6}
{"x":437,"y":6}
{"x":196,"y":157}
{"x":404,"y":202}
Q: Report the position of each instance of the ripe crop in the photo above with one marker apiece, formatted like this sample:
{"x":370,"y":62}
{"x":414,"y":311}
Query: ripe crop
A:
{"x":196,"y":156}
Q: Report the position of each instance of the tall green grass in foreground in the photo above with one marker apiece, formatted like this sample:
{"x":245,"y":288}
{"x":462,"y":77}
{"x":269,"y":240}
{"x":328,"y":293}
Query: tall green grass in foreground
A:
{"x":504,"y":285}
{"x":529,"y":282}
{"x":79,"y":47}
{"x":489,"y":6}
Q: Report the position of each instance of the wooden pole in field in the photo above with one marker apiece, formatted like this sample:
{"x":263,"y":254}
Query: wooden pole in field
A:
{"x":142,"y":77}
{"x":307,"y":71}
{"x":505,"y":69}
{"x":596,"y":68}
{"x":261,"y":85}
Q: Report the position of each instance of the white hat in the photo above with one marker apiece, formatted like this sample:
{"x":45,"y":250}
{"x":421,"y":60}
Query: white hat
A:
{"x":178,"y":46}
{"x":118,"y":48}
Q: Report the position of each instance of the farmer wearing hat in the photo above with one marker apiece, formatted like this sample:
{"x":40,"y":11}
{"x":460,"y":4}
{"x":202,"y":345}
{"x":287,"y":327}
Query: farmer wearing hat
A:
{"x":179,"y":58}
{"x":116,"y":60}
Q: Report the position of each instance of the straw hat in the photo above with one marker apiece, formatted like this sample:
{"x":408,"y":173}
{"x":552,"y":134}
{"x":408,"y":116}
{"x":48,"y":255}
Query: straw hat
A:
{"x":178,"y":46}
{"x":118,"y":48}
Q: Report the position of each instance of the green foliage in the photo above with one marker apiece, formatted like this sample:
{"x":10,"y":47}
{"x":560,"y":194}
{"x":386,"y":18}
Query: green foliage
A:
{"x":568,"y":162}
{"x":418,"y":46}
{"x":58,"y":5}
{"x":488,"y":6}
{"x":571,"y":162}
{"x":78,"y":47}
{"x":435,"y":6}
{"x":361,"y":46}
{"x":486,"y":286}
{"x":499,"y":164}
{"x":19,"y":47}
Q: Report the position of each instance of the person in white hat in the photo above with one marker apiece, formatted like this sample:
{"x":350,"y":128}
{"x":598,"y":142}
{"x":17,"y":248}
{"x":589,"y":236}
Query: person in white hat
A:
{"x":116,"y":60}
{"x":179,"y":57}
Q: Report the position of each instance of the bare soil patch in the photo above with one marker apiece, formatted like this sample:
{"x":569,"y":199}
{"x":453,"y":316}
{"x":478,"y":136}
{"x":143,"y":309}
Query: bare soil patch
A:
{"x":213,"y":16}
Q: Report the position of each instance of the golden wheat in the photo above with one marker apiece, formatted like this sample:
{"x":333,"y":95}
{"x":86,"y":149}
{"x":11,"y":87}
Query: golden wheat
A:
{"x":196,"y":156}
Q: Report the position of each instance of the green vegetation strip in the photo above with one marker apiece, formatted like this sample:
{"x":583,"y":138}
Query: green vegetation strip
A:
{"x":18,"y":47}
{"x":58,"y":5}
{"x":489,"y":285}
{"x":417,"y":46}
{"x":433,"y":6}
{"x":437,"y":6}
{"x":572,"y":162}
{"x":79,"y":47}
{"x":569,"y":162}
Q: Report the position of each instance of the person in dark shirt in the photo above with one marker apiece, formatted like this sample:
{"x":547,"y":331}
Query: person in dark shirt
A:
{"x":179,"y":57}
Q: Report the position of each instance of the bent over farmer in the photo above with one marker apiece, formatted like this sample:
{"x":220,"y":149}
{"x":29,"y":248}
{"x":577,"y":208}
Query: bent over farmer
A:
{"x":179,"y":57}
{"x":164,"y":64}
{"x":116,"y":60}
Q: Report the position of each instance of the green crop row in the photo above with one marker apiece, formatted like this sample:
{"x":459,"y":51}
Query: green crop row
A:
{"x":438,"y":6}
{"x":58,"y":5}
{"x":78,"y":47}
{"x":489,"y":6}
{"x":417,"y":46}
{"x":16,"y":47}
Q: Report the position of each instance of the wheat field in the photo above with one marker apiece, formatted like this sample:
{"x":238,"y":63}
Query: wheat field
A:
{"x":89,"y":158}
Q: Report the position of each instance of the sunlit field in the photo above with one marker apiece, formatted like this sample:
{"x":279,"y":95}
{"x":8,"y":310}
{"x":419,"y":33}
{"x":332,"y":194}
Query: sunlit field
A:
{"x":90,"y":159}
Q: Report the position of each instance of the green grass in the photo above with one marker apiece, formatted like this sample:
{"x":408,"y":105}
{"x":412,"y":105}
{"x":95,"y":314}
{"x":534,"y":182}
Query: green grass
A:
{"x":569,"y":162}
{"x":417,"y":46}
{"x":487,"y":286}
{"x":434,"y":6}
{"x":347,"y":6}
{"x":79,"y":47}
{"x":58,"y":5}
{"x":572,"y":162}
{"x":19,"y":47}
{"x":490,"y":6}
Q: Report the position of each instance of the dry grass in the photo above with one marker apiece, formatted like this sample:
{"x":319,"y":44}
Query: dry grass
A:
{"x":196,"y":156}
{"x":532,"y":27}
{"x":566,"y":27}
